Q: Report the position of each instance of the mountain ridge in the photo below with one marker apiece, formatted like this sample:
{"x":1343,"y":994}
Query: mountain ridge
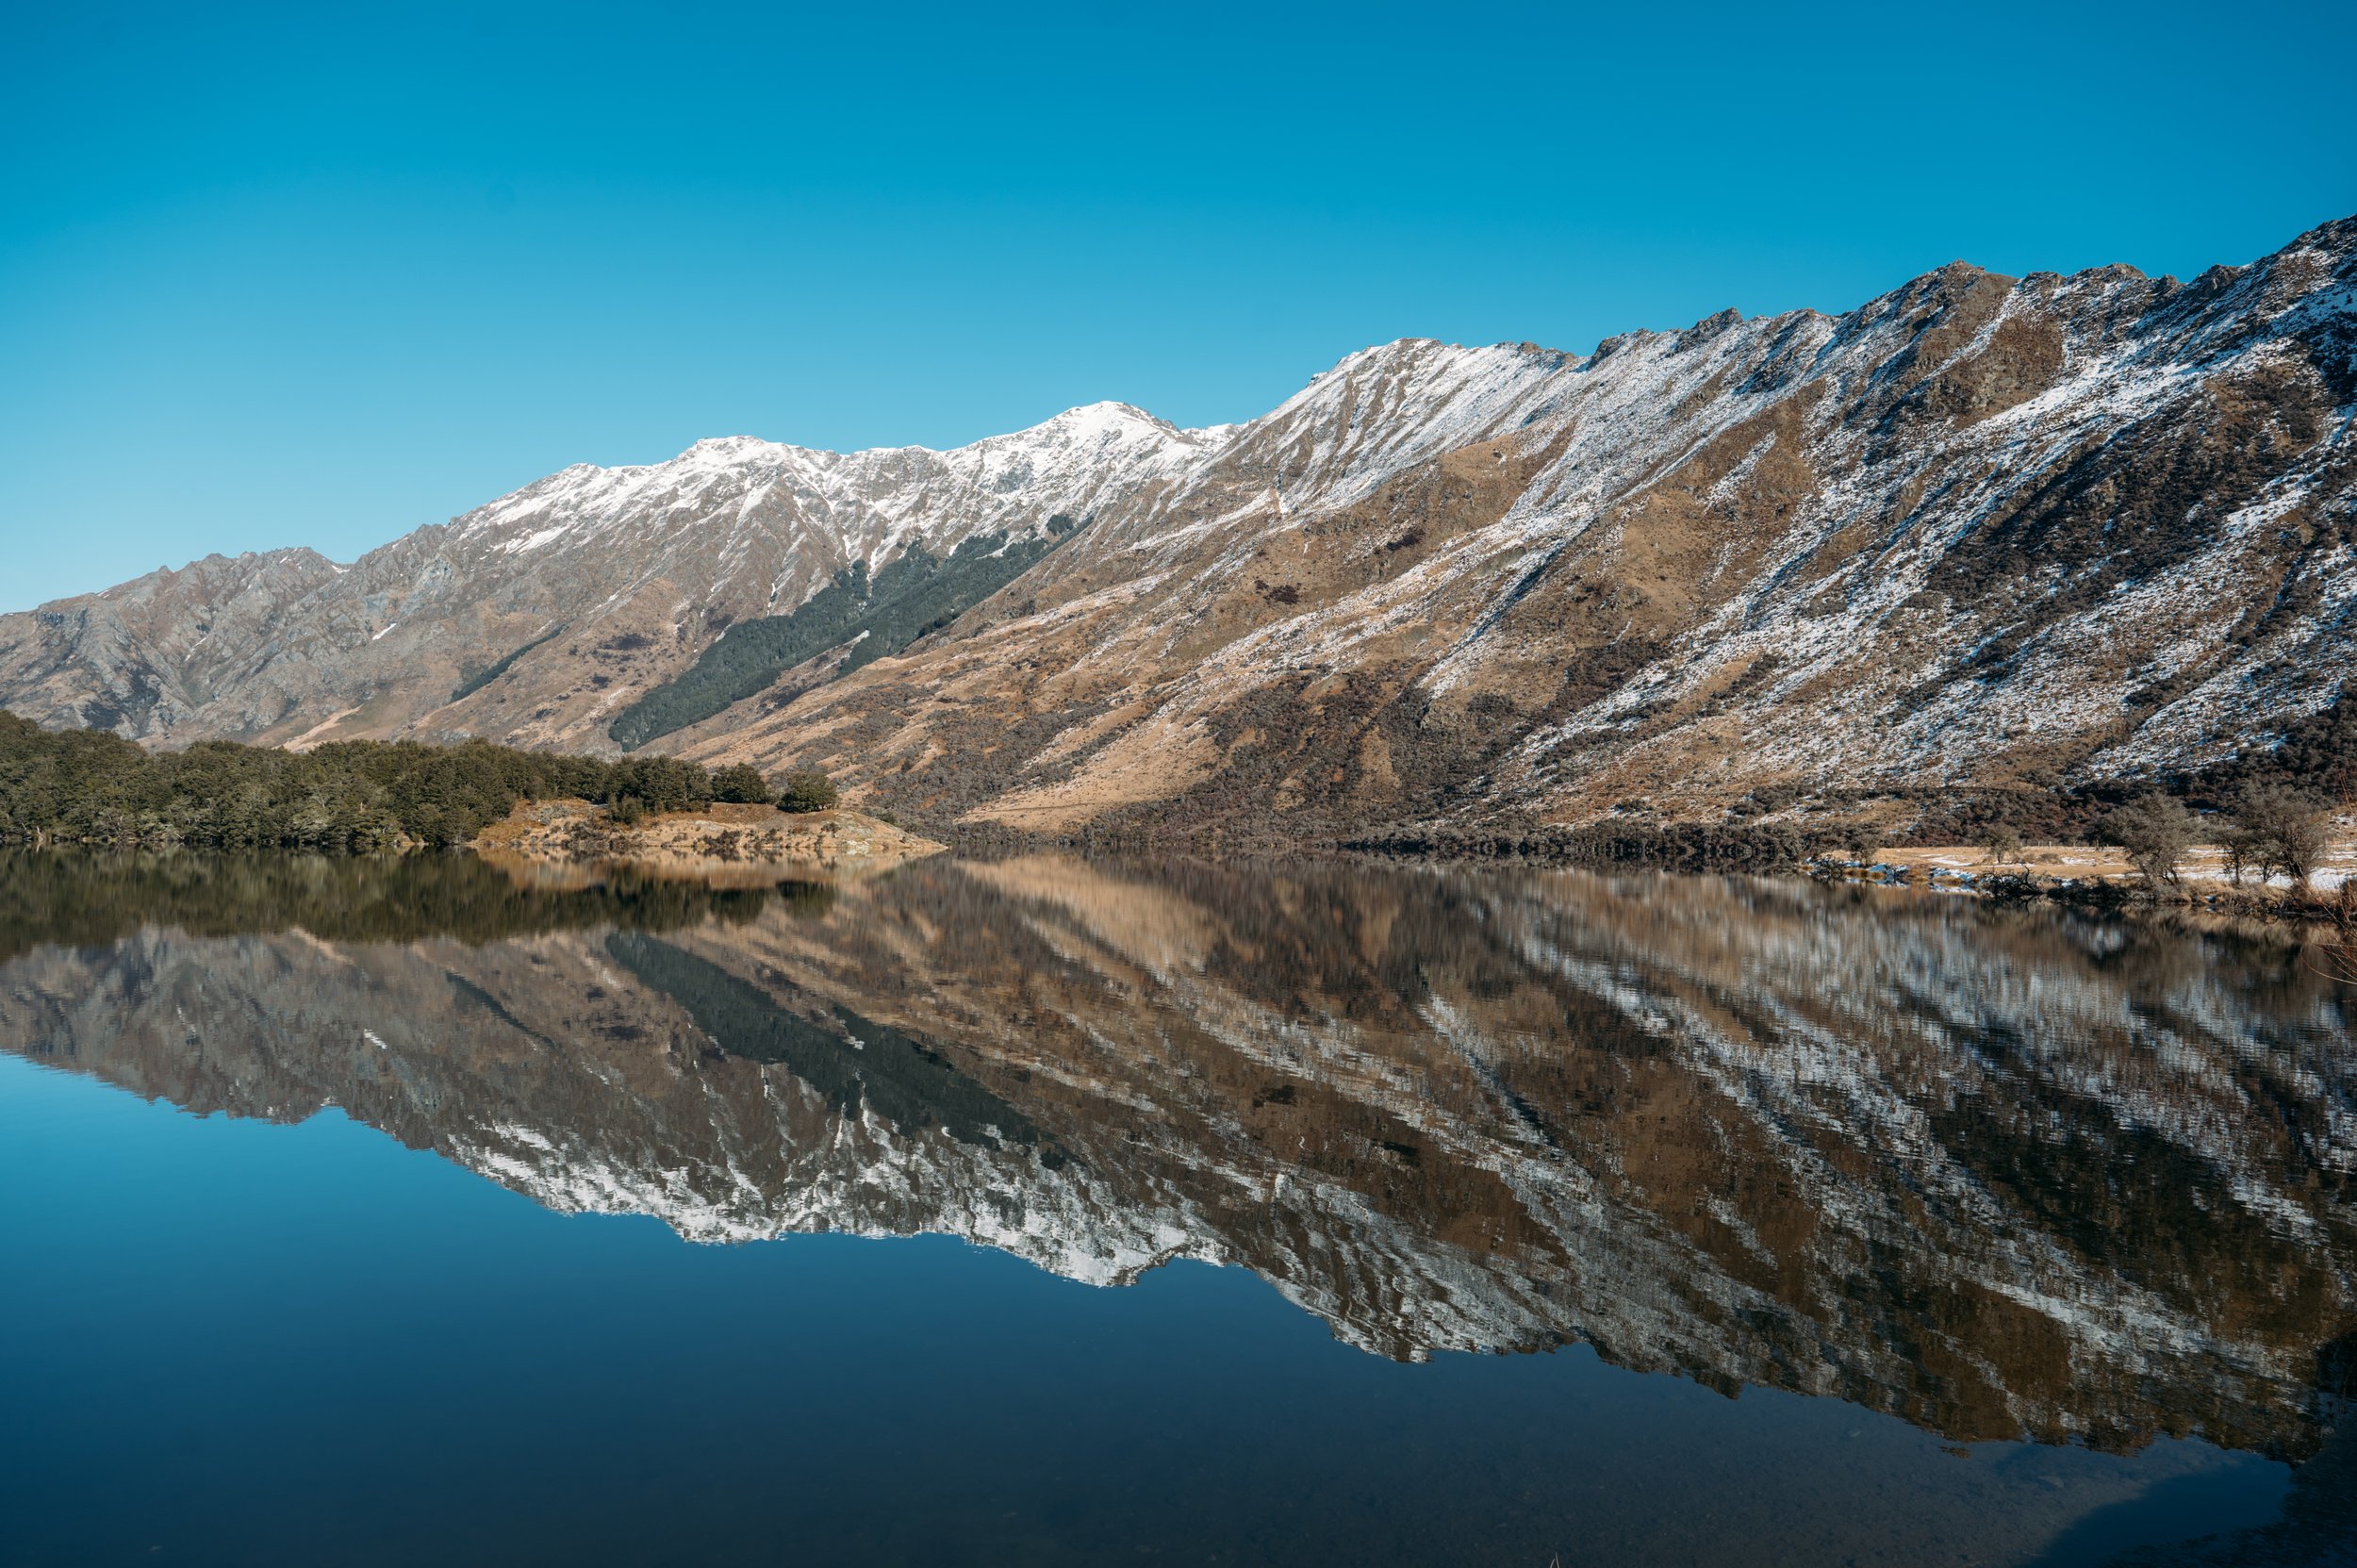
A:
{"x":1979,"y":531}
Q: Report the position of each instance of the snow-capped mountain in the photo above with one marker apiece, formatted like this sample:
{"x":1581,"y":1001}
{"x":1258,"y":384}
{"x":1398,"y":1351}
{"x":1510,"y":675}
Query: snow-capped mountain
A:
{"x":1980,"y":531}
{"x":579,"y":590}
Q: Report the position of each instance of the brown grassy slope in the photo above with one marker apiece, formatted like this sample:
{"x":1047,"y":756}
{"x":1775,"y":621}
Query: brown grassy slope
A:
{"x":1981,"y":533}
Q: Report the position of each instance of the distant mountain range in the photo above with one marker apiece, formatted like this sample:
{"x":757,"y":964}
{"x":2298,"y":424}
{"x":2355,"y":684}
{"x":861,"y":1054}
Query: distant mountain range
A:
{"x":1979,"y":531}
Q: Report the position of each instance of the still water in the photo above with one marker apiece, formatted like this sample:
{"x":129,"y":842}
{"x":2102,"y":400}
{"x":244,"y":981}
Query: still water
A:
{"x":1047,"y":1211}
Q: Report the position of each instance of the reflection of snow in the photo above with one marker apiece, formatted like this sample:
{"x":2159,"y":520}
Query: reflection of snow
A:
{"x":1738,"y":1129}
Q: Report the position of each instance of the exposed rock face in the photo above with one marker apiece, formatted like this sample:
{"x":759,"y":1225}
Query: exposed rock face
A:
{"x":2001,"y":1174}
{"x":1977,"y":529}
{"x":134,"y":657}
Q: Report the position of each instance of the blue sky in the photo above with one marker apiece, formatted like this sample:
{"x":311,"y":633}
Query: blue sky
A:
{"x":320,"y":274}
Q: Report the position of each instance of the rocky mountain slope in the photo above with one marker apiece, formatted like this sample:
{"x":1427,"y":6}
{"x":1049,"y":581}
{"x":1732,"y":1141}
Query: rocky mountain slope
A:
{"x":2005,"y":1174}
{"x":1981,"y":531}
{"x":536,"y":620}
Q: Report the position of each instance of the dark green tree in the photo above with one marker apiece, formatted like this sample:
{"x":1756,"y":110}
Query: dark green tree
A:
{"x":809,"y":790}
{"x":741,"y":783}
{"x":88,"y":787}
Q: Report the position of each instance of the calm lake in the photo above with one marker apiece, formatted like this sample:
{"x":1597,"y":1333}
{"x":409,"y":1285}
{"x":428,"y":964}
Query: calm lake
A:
{"x":1042,"y":1210}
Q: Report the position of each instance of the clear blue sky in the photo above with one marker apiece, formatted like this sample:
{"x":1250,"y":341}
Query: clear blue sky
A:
{"x":320,"y":274}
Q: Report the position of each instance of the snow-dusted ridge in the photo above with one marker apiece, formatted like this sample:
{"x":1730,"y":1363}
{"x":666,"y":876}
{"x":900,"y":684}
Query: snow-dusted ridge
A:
{"x":939,"y":496}
{"x":1977,"y":529}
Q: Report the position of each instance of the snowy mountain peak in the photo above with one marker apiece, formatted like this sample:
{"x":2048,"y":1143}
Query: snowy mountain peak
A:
{"x":1092,"y":428}
{"x":1786,"y":550}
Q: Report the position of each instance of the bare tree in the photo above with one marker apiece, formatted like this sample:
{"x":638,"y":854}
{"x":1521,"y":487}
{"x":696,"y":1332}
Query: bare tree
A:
{"x":2339,"y":961}
{"x":2000,"y":843}
{"x":2156,"y":832}
{"x":2289,"y":827}
{"x":2245,"y":851}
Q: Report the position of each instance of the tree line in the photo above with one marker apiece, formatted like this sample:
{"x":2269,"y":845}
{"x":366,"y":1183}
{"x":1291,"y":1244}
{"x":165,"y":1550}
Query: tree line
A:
{"x":914,"y":594}
{"x":89,"y":786}
{"x":2274,"y":829}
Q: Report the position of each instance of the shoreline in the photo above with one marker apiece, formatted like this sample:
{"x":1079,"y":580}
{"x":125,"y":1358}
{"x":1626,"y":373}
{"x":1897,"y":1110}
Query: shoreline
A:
{"x":572,"y":844}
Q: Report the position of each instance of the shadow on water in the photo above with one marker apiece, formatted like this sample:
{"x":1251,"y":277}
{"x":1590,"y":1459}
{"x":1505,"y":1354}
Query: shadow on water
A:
{"x":2316,"y":1528}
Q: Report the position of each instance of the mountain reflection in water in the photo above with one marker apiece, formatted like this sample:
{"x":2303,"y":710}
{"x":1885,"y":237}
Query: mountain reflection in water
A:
{"x":2005,"y":1175}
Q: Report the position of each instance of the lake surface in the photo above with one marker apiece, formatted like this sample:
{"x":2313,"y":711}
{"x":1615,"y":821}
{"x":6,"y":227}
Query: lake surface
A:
{"x":1047,"y":1211}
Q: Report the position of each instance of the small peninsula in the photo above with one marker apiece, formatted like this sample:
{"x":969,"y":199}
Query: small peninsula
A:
{"x":540,"y":816}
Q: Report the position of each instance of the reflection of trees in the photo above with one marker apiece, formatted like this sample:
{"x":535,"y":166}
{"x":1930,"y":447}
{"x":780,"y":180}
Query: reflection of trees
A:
{"x":2339,"y":960}
{"x":84,"y":900}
